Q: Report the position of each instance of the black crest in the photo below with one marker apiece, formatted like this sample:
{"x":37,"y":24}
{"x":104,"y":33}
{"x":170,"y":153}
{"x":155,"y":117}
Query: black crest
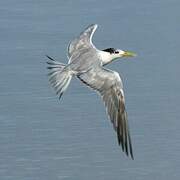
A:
{"x":110,"y":50}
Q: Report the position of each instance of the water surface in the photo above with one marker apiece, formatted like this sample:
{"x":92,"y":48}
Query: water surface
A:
{"x":44,"y":139}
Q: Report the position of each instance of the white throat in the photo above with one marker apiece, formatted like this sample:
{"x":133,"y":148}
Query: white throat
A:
{"x":105,"y":57}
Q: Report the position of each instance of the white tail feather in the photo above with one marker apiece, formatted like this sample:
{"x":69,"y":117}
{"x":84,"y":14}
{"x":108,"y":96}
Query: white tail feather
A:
{"x":59,"y":76}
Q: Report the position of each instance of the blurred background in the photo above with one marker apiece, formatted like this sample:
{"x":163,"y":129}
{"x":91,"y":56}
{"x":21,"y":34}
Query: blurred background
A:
{"x":42,"y":138}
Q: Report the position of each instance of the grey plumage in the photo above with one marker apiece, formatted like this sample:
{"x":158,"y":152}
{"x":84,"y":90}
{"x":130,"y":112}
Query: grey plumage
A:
{"x":86,"y":63}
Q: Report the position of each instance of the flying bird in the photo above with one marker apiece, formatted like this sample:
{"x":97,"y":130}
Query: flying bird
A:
{"x":87,"y":63}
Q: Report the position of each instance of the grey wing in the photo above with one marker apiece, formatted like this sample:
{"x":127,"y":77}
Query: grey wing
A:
{"x":84,"y":41}
{"x":109,"y":85}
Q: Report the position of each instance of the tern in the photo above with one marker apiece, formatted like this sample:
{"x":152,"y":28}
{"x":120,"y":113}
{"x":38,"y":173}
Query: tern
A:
{"x":86,"y":62}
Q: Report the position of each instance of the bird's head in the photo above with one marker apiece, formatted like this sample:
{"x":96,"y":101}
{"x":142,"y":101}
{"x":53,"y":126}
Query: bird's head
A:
{"x":112,"y":54}
{"x":118,"y":53}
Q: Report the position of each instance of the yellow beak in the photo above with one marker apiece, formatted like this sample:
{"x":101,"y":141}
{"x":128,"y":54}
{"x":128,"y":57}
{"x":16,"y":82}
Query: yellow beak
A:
{"x":129,"y":54}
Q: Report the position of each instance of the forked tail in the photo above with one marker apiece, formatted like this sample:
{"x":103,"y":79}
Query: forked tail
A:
{"x":59,"y":76}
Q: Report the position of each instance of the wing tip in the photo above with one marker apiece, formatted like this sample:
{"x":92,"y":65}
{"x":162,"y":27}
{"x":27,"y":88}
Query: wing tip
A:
{"x":128,"y":151}
{"x":125,"y":144}
{"x":94,"y":25}
{"x":91,"y":28}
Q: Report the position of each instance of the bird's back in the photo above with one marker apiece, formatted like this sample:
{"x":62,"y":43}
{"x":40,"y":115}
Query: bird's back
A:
{"x":84,"y":59}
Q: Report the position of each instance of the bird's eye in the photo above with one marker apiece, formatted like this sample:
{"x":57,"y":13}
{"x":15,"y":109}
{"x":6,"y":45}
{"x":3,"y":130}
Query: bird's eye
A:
{"x":116,"y":52}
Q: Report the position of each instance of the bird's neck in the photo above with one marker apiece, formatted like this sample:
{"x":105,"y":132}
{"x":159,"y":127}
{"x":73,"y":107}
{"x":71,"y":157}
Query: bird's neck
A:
{"x":105,"y":57}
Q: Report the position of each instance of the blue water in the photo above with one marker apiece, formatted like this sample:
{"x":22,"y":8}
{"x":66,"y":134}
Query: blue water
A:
{"x":42,"y":138}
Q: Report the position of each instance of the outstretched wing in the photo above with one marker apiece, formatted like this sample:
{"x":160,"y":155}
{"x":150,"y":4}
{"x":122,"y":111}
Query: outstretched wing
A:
{"x":109,"y":85}
{"x":84,"y":41}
